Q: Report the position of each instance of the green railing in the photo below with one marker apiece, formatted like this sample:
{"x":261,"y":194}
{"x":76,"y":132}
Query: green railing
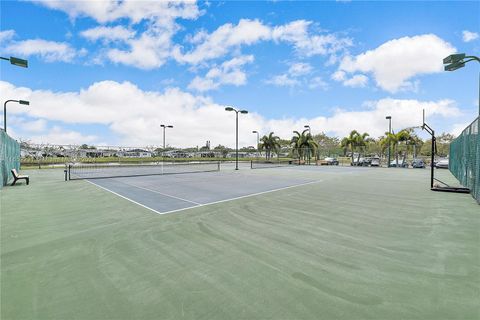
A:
{"x":9,"y":157}
{"x":464,"y":160}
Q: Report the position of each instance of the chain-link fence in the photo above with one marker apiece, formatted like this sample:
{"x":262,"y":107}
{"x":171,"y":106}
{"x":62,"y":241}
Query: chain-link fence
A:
{"x":9,"y":157}
{"x":464,"y":160}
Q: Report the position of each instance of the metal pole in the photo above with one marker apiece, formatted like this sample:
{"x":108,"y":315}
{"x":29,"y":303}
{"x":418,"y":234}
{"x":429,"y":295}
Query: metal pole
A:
{"x":5,"y":116}
{"x":258,"y":145}
{"x":389,"y":147}
{"x":164,"y":139}
{"x":432,"y":159}
{"x":236,"y":142}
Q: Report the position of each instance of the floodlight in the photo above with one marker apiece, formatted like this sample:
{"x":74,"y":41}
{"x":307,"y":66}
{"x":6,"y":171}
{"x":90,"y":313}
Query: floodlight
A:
{"x":453,"y":58}
{"x":454,"y":66}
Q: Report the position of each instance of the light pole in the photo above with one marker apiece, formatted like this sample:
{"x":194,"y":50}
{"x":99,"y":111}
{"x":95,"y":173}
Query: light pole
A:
{"x":457,"y":61}
{"x":258,"y":142}
{"x":389,"y":118}
{"x":236,"y":132}
{"x":5,"y":111}
{"x":16,"y":62}
{"x":164,"y":127}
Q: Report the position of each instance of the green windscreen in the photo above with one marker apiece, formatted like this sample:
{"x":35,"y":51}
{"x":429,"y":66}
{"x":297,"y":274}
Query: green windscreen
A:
{"x":464,"y":160}
{"x":9,"y":157}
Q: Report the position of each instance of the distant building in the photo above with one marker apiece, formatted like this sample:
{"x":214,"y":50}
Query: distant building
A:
{"x":241,"y":155}
{"x":176,"y":154}
{"x":135,"y":153}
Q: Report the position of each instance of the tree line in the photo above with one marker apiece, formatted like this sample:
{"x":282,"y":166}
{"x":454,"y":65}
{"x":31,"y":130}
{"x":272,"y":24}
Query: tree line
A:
{"x":403,"y":143}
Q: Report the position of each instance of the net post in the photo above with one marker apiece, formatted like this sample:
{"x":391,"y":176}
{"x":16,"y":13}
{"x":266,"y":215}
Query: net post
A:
{"x":69,"y":170}
{"x":251,"y":164}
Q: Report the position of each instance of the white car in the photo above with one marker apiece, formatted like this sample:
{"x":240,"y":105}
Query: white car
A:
{"x":375,"y":162}
{"x":442,"y":164}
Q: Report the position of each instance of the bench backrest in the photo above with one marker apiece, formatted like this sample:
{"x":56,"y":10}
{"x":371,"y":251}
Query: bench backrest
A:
{"x":15,"y":173}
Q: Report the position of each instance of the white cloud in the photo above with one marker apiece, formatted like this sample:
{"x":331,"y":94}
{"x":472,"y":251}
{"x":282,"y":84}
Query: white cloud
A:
{"x":297,"y":75}
{"x":50,"y":51}
{"x":6,"y":35}
{"x":458,"y":128}
{"x":283,"y":80}
{"x":357,"y":81}
{"x":308,"y":44}
{"x":108,"y":33}
{"x":396,"y":61}
{"x":339,"y":75}
{"x":59,"y":135}
{"x":222,"y":40}
{"x":300,"y":69}
{"x":229,"y":72}
{"x":111,"y":10}
{"x":152,"y":47}
{"x":38,"y":125}
{"x":248,"y":32}
{"x":317,"y":82}
{"x":133,"y":116}
{"x":150,"y":50}
{"x":468,"y":36}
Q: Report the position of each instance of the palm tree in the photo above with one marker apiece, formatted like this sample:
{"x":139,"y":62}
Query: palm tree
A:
{"x":392,"y":139}
{"x":269,"y":143}
{"x":304,"y":144}
{"x":361,"y":140}
{"x":350,"y":142}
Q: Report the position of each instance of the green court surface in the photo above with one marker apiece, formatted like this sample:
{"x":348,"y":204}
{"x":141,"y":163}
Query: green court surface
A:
{"x":359,"y":244}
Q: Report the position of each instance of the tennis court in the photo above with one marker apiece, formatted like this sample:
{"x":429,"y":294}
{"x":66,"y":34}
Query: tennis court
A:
{"x":172,"y":188}
{"x":279,"y":243}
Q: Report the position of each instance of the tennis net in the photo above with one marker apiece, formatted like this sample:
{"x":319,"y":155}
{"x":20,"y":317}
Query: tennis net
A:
{"x":115,"y":170}
{"x":259,"y":164}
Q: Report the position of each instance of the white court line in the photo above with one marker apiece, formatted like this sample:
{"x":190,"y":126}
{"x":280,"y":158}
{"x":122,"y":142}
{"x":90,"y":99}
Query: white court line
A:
{"x":245,"y":196}
{"x":209,"y":203}
{"x":155,"y":191}
{"x":142,"y":205}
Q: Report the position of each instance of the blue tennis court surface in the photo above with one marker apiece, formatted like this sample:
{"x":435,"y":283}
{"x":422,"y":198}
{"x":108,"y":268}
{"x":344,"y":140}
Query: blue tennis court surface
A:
{"x":168,"y":193}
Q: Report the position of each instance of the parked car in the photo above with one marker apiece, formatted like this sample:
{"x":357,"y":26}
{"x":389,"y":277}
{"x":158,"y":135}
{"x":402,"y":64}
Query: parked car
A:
{"x":401,"y":164}
{"x":357,"y":161}
{"x":375,"y":162}
{"x":331,"y":161}
{"x":418,"y":163}
{"x":442,"y":164}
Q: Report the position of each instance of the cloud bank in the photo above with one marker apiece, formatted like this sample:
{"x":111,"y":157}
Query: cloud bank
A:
{"x":133,"y":116}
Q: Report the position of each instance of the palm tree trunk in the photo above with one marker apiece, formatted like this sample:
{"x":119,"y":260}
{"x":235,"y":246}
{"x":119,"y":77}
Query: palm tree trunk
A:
{"x":351,"y":148}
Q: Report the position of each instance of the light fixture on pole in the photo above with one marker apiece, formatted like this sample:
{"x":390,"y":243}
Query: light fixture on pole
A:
{"x":164,"y":127}
{"x":389,"y":118}
{"x":457,"y":61}
{"x":16,"y":61}
{"x":236,"y":132}
{"x":24,"y":102}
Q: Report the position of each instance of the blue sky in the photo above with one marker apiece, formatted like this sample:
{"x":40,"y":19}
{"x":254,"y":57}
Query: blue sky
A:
{"x":106,"y":72}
